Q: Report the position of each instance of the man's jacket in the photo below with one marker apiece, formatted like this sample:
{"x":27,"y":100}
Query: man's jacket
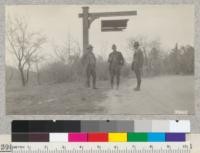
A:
{"x":89,"y":58}
{"x":116,"y":59}
{"x":138,"y":59}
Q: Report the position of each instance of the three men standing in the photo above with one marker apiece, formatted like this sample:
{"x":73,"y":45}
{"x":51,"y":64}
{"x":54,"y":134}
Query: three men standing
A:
{"x":116,"y":61}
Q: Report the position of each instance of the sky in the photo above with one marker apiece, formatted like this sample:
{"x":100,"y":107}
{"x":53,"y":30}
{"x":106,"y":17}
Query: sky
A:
{"x":170,"y":24}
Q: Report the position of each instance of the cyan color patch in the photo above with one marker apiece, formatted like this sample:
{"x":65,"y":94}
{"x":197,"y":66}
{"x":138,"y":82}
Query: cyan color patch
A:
{"x":156,"y":137}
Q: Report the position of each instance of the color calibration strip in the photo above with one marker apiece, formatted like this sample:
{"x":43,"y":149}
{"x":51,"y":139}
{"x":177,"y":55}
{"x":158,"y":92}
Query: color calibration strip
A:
{"x":99,"y":131}
{"x":99,"y":137}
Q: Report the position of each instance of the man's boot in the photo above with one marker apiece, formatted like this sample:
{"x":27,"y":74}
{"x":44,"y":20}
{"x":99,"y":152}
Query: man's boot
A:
{"x":138,"y":86}
{"x":94,"y":86}
{"x":137,"y":89}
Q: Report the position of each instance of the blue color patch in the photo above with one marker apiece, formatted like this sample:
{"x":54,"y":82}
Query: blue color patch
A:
{"x":156,"y":137}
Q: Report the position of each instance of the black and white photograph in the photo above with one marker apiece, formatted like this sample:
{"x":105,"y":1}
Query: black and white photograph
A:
{"x":100,"y":59}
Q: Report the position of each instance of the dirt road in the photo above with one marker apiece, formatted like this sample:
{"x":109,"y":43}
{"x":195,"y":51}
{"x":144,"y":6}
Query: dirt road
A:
{"x":159,"y":95}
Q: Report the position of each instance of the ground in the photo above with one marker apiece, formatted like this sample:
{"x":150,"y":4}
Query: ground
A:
{"x":159,"y":95}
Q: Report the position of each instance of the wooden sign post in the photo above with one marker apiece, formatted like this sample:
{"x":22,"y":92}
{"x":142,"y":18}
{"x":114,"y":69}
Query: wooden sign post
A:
{"x":88,"y":18}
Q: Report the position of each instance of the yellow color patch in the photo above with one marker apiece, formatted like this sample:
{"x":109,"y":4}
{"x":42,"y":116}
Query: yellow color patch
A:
{"x":117,"y":137}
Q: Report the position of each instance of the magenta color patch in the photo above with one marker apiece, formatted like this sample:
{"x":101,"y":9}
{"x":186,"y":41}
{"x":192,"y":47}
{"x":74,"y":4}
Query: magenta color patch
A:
{"x":77,"y":137}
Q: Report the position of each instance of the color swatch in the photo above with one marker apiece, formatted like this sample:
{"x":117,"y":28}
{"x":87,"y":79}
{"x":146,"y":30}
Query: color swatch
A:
{"x":77,"y":137}
{"x":156,"y":137}
{"x":137,"y":137}
{"x":98,"y":137}
{"x":58,"y":137}
{"x":175,"y":137}
{"x":117,"y":137}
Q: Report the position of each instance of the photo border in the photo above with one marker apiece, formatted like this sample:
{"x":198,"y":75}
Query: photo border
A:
{"x":5,"y":124}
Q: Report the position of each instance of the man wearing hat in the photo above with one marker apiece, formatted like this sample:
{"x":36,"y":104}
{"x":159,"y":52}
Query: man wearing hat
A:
{"x":89,"y":60}
{"x":116,"y":61}
{"x":137,"y":64}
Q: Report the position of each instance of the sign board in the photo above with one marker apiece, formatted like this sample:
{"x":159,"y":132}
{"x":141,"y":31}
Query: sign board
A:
{"x":113,"y":25}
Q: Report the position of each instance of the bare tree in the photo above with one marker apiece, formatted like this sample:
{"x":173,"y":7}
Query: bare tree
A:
{"x":69,"y":51}
{"x":24,"y":45}
{"x":67,"y":61}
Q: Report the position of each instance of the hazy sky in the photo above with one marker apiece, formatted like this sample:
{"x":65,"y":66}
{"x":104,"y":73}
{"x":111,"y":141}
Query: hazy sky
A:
{"x":169,"y":23}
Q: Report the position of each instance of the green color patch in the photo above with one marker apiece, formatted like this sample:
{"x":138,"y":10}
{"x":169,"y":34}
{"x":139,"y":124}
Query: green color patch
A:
{"x":137,"y":137}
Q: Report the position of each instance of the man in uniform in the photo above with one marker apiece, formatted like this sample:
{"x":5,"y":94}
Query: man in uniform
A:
{"x":137,"y":64}
{"x":89,"y":60}
{"x":116,"y":61}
